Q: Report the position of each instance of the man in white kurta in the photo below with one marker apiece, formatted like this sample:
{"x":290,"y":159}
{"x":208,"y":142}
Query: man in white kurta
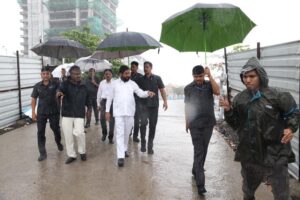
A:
{"x":123,"y":91}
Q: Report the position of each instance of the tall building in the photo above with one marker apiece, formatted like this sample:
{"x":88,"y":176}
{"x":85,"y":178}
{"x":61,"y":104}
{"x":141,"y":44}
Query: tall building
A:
{"x":35,"y":21}
{"x":50,"y":18}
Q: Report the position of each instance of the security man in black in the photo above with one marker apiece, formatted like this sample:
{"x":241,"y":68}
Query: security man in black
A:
{"x":149,"y":106}
{"x":48,"y":109}
{"x":200,"y":118}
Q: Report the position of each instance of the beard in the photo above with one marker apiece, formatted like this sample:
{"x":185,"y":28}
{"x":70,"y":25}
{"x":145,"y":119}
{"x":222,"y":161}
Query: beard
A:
{"x":125,"y":79}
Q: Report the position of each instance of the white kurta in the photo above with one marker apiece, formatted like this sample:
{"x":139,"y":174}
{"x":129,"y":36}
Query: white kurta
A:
{"x":104,"y":90}
{"x":123,"y":98}
{"x":123,"y":110}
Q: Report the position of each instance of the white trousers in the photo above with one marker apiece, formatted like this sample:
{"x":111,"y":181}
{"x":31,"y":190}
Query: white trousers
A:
{"x":123,"y":126}
{"x":74,"y":126}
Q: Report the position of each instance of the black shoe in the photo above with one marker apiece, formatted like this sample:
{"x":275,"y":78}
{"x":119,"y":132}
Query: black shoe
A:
{"x":135,"y":139}
{"x":201,"y":190}
{"x":143,"y":148}
{"x":42,"y":157}
{"x":103,"y":138}
{"x":69,"y":160}
{"x":121,"y":162}
{"x":83,"y":157}
{"x":126,"y":154}
{"x":87,"y":126}
{"x":150,"y":151}
{"x":111,"y":141}
{"x":60,"y":147}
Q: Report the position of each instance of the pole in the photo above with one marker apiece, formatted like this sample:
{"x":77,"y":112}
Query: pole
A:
{"x":258,"y":54}
{"x":19,"y":85}
{"x":226,"y":68}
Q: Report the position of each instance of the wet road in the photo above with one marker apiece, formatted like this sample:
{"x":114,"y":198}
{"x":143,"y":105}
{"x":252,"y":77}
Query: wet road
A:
{"x":164,"y":175}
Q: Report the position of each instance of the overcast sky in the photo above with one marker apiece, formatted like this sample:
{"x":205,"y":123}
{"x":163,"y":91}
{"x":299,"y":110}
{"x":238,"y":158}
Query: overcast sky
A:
{"x":277,"y":22}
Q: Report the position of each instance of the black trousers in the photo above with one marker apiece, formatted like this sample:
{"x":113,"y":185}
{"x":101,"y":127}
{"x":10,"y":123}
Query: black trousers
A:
{"x":200,"y":139}
{"x":103,"y":121}
{"x":93,"y":106}
{"x":137,"y":120}
{"x":148,"y":114}
{"x":41,"y":126}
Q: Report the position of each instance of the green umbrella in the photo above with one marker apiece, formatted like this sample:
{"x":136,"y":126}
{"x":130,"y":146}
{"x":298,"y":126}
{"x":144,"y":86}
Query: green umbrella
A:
{"x":206,"y":27}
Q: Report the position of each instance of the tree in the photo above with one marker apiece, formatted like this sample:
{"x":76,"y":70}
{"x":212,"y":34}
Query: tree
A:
{"x":240,"y":48}
{"x":85,"y":37}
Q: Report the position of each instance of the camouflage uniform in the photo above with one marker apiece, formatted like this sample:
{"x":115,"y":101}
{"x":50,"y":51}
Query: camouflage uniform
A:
{"x":260,"y":119}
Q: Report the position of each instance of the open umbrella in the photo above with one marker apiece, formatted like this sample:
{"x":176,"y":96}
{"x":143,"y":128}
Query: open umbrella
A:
{"x":115,"y":54}
{"x":56,"y":73}
{"x":206,"y":27}
{"x":86,"y":63}
{"x":61,"y":48}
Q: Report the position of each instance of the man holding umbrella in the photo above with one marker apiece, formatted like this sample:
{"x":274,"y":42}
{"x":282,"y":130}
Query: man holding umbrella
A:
{"x":135,"y":77}
{"x":92,"y":84}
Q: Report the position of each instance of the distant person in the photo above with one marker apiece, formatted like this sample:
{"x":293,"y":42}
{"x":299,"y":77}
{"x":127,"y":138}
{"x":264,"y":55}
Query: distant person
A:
{"x":265,"y":119}
{"x":149,"y":107}
{"x":92,"y":84}
{"x":200,"y":118}
{"x":63,"y":76}
{"x":75,"y":98}
{"x":104,"y":90}
{"x":123,"y":109}
{"x":48,"y":109}
{"x":135,"y":77}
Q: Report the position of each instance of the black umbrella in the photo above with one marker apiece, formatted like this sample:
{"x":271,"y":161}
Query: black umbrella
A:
{"x":128,"y":41}
{"x":61,"y":48}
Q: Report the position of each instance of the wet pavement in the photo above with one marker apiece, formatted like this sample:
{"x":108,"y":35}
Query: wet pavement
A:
{"x":164,"y":175}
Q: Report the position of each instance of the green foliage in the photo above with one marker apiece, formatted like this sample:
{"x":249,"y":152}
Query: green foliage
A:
{"x":240,"y":48}
{"x":84,"y":36}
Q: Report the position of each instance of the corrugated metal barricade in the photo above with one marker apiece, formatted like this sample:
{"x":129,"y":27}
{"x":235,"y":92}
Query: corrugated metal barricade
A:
{"x":282,"y":63}
{"x":9,"y":90}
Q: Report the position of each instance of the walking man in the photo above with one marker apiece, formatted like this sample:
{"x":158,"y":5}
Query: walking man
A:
{"x":265,"y":119}
{"x":124,"y":109}
{"x":104,"y":90}
{"x":135,"y":76}
{"x":48,"y":109}
{"x":200,"y":118}
{"x":92,"y":84}
{"x":149,"y":106}
{"x":75,"y":98}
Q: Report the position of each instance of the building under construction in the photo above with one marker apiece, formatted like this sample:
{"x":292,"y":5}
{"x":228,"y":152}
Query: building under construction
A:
{"x":44,"y":19}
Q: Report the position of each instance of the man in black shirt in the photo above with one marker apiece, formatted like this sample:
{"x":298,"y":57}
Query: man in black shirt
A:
{"x":75,"y":98}
{"x":135,"y":77}
{"x":92,"y":84}
{"x":149,"y":106}
{"x":200,"y":118}
{"x":48,"y":109}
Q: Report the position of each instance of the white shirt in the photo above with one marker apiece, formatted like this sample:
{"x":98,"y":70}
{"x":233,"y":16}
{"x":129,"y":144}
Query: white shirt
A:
{"x":123,"y":98}
{"x":104,"y":90}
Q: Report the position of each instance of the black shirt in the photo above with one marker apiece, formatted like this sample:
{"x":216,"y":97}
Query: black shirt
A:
{"x":47,"y":103}
{"x":75,"y":99}
{"x":92,"y":89}
{"x":152,"y":83}
{"x":199,"y":102}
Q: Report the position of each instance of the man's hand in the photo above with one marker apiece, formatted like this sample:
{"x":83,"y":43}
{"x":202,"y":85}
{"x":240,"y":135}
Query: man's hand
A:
{"x":287,"y":136}
{"x":224,"y":103}
{"x":59,"y":94}
{"x":107,"y":116}
{"x":165,"y":105}
{"x":151,"y":94}
{"x":207,"y":72}
{"x":34,"y":118}
{"x":187,"y":127}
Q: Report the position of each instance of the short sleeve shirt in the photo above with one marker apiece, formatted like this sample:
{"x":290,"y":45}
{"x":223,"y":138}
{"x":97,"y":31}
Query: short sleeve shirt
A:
{"x":152,"y":83}
{"x":46,"y":94}
{"x":200,"y":105}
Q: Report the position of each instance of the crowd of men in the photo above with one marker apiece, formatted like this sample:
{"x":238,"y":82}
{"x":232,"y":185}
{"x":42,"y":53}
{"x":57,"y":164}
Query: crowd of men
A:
{"x":264,"y":117}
